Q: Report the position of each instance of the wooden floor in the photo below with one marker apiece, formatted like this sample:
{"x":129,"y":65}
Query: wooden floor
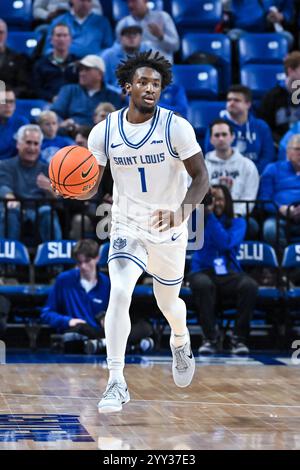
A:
{"x":226,"y":407}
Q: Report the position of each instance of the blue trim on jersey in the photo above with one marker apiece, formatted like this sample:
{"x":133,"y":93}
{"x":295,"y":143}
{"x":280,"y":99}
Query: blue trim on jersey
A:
{"x":106,"y":137}
{"x":166,"y":282}
{"x":127,"y":257}
{"x":167,"y":132}
{"x":128,"y":254}
{"x":147,"y":136}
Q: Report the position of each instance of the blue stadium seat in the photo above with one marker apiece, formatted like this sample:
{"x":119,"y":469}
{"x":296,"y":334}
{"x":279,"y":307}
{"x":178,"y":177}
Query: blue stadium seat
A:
{"x":290,"y":263}
{"x":31,"y":109}
{"x":199,"y":81}
{"x":103,"y":253}
{"x":16,"y":13}
{"x":54,"y":252}
{"x":261,"y":78}
{"x":262,"y":48}
{"x":202,"y":113}
{"x":14,"y":253}
{"x":120,"y":8}
{"x":196,"y":15}
{"x":291,"y":260}
{"x":215,"y":44}
{"x":24,"y":42}
{"x":258,"y":254}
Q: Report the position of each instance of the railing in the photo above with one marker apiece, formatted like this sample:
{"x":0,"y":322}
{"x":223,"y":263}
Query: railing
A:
{"x":29,"y":231}
{"x":64,"y":211}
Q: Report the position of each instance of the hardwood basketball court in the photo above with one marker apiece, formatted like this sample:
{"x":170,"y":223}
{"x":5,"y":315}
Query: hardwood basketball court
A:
{"x":231,"y":404}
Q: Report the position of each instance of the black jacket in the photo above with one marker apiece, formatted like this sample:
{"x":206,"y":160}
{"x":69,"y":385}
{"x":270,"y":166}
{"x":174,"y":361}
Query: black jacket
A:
{"x":15,"y":70}
{"x":278,"y":111}
{"x":49,"y":77}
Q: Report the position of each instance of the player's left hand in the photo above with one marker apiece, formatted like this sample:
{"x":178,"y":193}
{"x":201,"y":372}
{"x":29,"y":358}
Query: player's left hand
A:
{"x":163,"y":220}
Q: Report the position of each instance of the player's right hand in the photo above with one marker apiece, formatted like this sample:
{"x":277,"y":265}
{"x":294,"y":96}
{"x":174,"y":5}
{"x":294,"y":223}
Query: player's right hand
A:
{"x":57,"y":193}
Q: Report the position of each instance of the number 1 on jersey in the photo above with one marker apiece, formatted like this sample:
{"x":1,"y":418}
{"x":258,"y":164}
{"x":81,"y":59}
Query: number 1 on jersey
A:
{"x":143,"y":179}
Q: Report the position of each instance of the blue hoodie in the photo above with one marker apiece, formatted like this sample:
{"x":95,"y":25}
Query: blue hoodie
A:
{"x":280,"y":184}
{"x":220,"y":241}
{"x":68,"y":299}
{"x":253,"y":140}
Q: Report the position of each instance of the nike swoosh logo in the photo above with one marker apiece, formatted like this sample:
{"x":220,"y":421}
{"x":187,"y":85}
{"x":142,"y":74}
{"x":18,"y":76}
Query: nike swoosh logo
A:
{"x":191,"y":355}
{"x":174,"y":236}
{"x":85,"y":174}
{"x":113,"y":146}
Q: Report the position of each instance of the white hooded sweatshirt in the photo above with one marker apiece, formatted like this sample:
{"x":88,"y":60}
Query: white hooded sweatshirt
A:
{"x":241,"y":171}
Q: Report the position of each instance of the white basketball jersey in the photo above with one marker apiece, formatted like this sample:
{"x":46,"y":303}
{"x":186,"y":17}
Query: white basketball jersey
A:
{"x":146,"y":165}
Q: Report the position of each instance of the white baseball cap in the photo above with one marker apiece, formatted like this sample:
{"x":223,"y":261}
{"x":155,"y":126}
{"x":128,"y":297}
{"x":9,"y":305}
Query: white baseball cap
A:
{"x":93,"y":61}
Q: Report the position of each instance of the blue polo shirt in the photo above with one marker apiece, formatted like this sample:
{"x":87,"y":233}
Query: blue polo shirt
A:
{"x":73,"y":101}
{"x":68,"y":299}
{"x":89,"y":37}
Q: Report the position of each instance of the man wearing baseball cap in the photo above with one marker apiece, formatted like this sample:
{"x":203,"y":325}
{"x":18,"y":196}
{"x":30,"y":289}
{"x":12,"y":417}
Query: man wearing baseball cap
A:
{"x":159,"y":30}
{"x":130,"y":42}
{"x":75,"y":104}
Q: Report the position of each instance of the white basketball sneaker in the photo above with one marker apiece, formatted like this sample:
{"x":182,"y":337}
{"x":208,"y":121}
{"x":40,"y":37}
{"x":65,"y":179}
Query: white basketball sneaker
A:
{"x":115,"y":396}
{"x":183,"y":367}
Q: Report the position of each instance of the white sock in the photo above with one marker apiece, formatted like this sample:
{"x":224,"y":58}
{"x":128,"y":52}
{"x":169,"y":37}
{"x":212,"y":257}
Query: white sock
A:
{"x":179,"y":340}
{"x":117,"y":321}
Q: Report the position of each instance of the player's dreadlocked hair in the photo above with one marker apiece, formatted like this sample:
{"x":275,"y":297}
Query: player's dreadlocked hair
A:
{"x":126,"y":70}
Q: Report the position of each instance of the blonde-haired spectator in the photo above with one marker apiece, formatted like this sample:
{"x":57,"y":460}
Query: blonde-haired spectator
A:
{"x":48,"y":122}
{"x":102,"y":111}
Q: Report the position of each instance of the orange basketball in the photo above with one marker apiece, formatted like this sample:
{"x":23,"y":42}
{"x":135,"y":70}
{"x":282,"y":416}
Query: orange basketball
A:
{"x":73,"y":170}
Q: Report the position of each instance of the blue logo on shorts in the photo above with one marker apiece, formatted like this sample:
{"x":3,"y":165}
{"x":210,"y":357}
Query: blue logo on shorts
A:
{"x":119,"y":243}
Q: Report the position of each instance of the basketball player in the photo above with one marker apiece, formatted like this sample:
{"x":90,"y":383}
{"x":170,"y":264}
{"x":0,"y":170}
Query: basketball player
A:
{"x":151,"y":153}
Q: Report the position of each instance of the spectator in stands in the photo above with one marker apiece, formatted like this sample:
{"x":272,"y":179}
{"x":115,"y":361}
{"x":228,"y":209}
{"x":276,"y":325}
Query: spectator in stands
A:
{"x":260,"y":16}
{"x":76,"y":104}
{"x":81,"y":136}
{"x":79,"y":298}
{"x":130,"y":43}
{"x":10,"y":122}
{"x":216,"y":270}
{"x":44,"y":11}
{"x":14,"y":67}
{"x":102,"y":111}
{"x":56,"y":69}
{"x":280,"y":183}
{"x":253,"y":136}
{"x":173,"y":97}
{"x":91,"y":33}
{"x":25,"y":177}
{"x":85,"y":211}
{"x":285,"y":140}
{"x":159,"y":31}
{"x":280,"y":106}
{"x":52,"y":142}
{"x":228,"y":167}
